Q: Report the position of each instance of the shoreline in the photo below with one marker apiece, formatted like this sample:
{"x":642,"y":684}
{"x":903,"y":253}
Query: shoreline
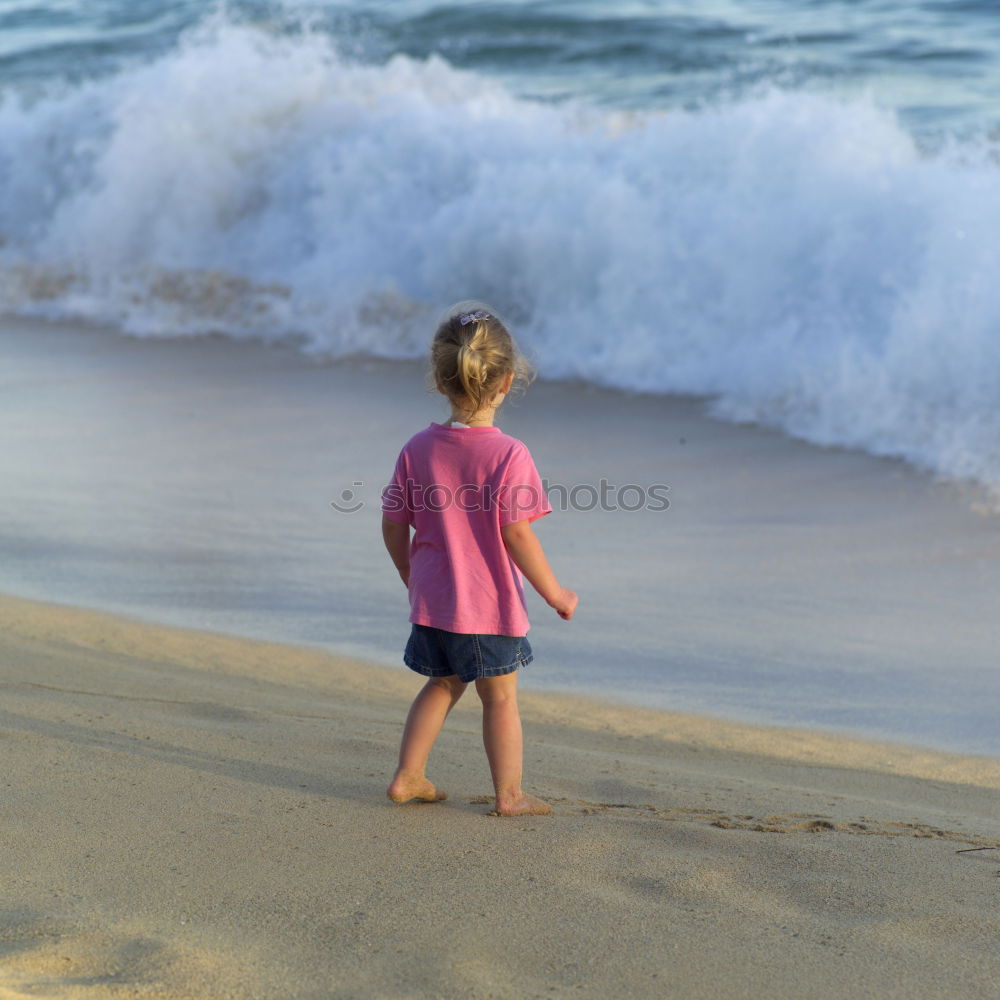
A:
{"x":189,"y":481}
{"x":195,"y":815}
{"x":108,"y":632}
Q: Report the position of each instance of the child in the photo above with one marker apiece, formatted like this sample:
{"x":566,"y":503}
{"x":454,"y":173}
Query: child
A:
{"x":470,"y":492}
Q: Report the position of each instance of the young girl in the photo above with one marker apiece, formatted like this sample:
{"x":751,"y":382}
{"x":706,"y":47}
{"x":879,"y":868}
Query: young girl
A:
{"x":470,"y":493}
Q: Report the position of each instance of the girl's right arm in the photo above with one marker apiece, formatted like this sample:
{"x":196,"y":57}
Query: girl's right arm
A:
{"x":526,"y":550}
{"x":397,"y":542}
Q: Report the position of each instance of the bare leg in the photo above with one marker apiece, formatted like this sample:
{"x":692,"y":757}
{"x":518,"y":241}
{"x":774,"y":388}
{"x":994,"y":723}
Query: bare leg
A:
{"x":427,"y":714}
{"x":504,"y":746}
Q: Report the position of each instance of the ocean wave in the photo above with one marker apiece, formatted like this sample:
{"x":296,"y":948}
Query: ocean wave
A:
{"x":794,"y":257}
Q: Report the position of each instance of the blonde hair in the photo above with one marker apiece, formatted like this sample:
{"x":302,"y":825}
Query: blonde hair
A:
{"x":471,"y":356}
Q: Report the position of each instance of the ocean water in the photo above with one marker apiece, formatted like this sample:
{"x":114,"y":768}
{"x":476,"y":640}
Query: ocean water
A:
{"x":790,"y":208}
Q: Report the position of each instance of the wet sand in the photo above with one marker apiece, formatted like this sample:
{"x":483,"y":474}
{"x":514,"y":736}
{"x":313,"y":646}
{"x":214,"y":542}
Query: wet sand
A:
{"x":189,"y":482}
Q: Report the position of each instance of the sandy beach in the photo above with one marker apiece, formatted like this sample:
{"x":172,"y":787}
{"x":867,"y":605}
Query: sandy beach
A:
{"x":749,"y":250}
{"x":194,"y":790}
{"x":193,"y":815}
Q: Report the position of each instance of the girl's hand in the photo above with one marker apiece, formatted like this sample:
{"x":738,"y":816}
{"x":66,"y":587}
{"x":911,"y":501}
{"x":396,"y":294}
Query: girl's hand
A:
{"x":529,"y":557}
{"x":565,"y":604}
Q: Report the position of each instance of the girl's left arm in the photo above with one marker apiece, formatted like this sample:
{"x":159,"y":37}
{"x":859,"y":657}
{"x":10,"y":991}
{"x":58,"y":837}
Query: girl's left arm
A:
{"x":397,"y":542}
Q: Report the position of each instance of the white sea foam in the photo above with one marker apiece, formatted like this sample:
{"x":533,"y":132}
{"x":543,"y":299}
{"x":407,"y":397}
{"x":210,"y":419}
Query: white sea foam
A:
{"x":792,"y":256}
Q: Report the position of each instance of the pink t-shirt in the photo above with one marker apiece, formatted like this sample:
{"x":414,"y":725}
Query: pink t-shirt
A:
{"x":457,"y":487}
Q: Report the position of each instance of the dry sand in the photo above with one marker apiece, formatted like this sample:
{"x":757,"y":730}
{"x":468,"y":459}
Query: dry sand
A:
{"x":187,"y":814}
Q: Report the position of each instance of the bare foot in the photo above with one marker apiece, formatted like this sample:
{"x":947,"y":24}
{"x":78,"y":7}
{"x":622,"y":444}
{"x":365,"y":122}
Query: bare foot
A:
{"x":404,"y":788}
{"x":522,"y":805}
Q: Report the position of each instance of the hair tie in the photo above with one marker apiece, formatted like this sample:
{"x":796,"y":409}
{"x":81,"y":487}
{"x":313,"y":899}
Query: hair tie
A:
{"x":466,"y":318}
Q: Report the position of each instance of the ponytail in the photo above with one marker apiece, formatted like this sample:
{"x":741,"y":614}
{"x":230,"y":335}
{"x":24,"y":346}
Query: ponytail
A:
{"x":472,"y":354}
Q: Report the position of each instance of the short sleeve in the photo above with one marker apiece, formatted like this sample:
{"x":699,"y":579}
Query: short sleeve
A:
{"x":395,"y":504}
{"x":522,"y":494}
